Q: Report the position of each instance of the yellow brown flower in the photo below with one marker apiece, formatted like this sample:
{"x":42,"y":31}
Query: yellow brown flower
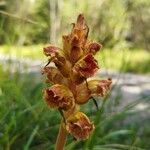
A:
{"x":59,"y":96}
{"x":86,"y":67}
{"x":79,"y":126}
{"x":92,"y":88}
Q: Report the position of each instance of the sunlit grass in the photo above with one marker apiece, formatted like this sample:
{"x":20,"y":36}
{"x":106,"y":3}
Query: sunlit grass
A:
{"x":32,"y":52}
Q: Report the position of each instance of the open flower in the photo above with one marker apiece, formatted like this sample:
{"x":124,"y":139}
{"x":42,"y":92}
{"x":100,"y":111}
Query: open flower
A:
{"x":79,"y":126}
{"x":92,"y":88}
{"x":99,"y":87}
{"x":59,"y":96}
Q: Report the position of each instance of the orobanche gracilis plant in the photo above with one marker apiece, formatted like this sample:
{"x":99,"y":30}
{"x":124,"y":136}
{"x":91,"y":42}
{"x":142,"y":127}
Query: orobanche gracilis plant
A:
{"x":74,"y":64}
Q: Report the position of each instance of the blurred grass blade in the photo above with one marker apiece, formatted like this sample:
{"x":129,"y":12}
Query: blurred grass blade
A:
{"x":103,"y":148}
{"x":116,"y":134}
{"x":31,"y":138}
{"x":71,"y":145}
{"x":122,"y":147}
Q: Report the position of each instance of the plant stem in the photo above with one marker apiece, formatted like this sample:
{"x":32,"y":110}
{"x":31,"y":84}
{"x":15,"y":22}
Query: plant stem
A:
{"x":61,"y":138}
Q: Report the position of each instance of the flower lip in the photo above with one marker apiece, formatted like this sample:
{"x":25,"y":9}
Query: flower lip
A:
{"x":79,"y":126}
{"x":94,"y":47}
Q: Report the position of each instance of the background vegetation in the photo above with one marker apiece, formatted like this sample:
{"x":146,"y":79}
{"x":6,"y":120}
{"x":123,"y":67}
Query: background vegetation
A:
{"x":122,"y":26}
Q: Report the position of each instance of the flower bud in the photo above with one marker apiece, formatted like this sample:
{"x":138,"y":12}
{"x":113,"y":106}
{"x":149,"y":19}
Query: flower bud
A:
{"x":79,"y":125}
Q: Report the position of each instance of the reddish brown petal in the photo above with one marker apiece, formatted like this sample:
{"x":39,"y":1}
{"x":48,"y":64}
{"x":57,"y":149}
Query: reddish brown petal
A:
{"x":86,"y":67}
{"x":79,"y":126}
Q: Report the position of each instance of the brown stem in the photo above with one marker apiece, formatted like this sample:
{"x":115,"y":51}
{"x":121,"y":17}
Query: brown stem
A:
{"x":61,"y":138}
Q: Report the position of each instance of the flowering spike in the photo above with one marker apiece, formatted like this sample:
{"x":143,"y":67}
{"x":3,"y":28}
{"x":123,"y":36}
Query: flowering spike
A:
{"x":74,"y":63}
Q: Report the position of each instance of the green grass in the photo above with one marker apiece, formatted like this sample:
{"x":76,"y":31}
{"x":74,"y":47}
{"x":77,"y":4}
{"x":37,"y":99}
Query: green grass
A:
{"x":134,"y":61}
{"x":26,"y":122}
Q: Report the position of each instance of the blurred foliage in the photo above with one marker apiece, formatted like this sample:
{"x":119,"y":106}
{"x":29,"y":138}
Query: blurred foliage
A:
{"x":114,"y":23}
{"x":117,"y":25}
{"x":124,"y":60}
{"x":21,"y":106}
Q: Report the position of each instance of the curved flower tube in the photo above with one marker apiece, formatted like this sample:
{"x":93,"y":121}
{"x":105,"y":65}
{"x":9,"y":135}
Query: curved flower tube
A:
{"x":92,"y":88}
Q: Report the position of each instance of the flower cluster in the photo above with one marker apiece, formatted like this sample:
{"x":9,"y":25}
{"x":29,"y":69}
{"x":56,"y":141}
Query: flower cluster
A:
{"x":74,"y":63}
